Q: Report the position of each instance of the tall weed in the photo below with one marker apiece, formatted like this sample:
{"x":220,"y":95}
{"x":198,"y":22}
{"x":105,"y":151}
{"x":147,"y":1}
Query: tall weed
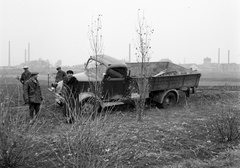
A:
{"x":17,"y":137}
{"x":227,"y":125}
{"x":85,"y":143}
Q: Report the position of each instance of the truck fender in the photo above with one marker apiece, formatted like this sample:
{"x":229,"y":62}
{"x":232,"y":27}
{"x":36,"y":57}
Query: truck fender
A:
{"x":159,"y":96}
{"x":85,"y":95}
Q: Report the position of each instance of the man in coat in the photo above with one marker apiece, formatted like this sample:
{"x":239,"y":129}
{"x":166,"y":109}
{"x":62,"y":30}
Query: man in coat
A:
{"x":24,"y":77}
{"x":33,"y":95}
{"x":60,"y":74}
{"x":70,"y":92}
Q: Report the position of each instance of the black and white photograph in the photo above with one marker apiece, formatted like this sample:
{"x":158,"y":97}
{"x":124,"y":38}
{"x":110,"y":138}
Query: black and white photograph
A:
{"x":119,"y":83}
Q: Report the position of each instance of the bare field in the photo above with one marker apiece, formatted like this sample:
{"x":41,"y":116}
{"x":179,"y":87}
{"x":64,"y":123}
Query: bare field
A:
{"x":219,"y":79}
{"x":181,"y":136}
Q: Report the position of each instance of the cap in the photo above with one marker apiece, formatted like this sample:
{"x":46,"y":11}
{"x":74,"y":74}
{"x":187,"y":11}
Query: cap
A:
{"x":69,"y":72}
{"x":34,"y":73}
{"x":25,"y":67}
{"x":58,"y":67}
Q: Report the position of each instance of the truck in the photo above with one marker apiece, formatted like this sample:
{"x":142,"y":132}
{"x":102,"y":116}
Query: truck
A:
{"x":109,"y":82}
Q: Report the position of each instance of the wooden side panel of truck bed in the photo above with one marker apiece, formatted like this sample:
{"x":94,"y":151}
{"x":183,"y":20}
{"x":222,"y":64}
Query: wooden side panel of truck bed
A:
{"x":173,"y":82}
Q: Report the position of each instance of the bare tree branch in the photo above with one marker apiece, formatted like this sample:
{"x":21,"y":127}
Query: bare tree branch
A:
{"x":142,"y":42}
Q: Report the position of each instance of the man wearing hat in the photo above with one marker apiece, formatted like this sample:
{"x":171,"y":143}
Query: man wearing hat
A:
{"x":33,"y":95}
{"x":24,"y":77}
{"x":70,"y":93}
{"x":60,"y":74}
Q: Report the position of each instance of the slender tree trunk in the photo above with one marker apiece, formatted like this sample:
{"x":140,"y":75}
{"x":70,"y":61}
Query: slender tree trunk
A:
{"x":142,"y":46}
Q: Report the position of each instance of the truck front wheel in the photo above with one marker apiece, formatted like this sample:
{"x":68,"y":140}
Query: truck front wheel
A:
{"x":170,"y":99}
{"x":89,"y":106}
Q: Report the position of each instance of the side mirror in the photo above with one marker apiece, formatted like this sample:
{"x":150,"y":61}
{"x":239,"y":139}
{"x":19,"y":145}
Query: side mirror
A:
{"x":85,"y":66}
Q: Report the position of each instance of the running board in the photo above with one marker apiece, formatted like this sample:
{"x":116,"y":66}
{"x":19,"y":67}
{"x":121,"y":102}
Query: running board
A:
{"x":108,"y":104}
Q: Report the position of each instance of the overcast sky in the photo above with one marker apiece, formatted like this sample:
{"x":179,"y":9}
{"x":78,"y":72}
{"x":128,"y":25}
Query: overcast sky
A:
{"x":187,"y":30}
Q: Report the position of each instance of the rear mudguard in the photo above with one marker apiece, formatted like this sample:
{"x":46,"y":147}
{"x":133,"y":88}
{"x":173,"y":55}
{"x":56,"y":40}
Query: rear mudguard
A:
{"x":159,"y":96}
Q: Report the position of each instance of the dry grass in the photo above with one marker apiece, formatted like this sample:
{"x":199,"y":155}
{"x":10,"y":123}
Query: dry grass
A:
{"x":181,"y":136}
{"x":18,"y":142}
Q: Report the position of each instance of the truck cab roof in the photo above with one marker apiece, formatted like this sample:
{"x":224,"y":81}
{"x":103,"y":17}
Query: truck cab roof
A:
{"x":109,"y":61}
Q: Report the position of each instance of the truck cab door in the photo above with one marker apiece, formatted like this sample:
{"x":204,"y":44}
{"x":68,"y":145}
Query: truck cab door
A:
{"x":114,"y":84}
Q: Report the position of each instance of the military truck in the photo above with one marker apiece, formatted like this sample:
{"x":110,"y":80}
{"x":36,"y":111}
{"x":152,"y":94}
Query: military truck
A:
{"x":111,"y":82}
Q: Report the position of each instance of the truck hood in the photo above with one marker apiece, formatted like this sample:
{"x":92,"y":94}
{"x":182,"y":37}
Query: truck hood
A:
{"x":81,"y":77}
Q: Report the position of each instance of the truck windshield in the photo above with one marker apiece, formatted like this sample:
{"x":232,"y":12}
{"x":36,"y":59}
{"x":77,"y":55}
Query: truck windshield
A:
{"x":96,"y":68}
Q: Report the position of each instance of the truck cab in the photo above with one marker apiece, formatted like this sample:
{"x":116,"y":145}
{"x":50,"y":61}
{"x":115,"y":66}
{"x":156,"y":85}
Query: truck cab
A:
{"x":104,"y":78}
{"x":111,"y":77}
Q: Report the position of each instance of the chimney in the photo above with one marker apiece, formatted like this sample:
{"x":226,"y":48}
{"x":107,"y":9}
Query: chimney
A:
{"x":129,"y":53}
{"x":228,"y":56}
{"x":218,"y":56}
{"x":9,"y":55}
{"x":25,"y":58}
{"x":28,"y":52}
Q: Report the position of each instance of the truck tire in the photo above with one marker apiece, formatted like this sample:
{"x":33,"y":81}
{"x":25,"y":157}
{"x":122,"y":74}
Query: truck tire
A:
{"x":169,"y":100}
{"x":89,"y":106}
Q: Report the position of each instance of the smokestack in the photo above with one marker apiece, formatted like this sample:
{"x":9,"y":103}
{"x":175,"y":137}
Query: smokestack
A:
{"x":228,"y":56}
{"x":129,"y":53}
{"x":218,"y":56}
{"x":9,"y":56}
{"x":28,"y":52}
{"x":25,"y":58}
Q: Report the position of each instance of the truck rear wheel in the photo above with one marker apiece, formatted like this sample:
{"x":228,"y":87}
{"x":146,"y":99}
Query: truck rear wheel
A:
{"x":169,"y":100}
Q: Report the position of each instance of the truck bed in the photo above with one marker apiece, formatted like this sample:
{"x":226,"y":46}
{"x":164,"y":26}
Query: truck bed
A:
{"x":154,"y":68}
{"x":174,"y":82}
{"x":166,"y":75}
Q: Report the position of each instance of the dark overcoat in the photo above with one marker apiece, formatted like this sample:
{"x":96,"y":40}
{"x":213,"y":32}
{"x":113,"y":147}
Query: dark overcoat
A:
{"x":60,"y":76}
{"x":32,"y":91}
{"x":70,"y":93}
{"x":25,"y":76}
{"x":71,"y":88}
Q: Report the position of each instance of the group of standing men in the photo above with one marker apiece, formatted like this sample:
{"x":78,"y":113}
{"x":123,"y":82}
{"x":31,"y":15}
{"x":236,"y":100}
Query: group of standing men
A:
{"x":32,"y":94}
